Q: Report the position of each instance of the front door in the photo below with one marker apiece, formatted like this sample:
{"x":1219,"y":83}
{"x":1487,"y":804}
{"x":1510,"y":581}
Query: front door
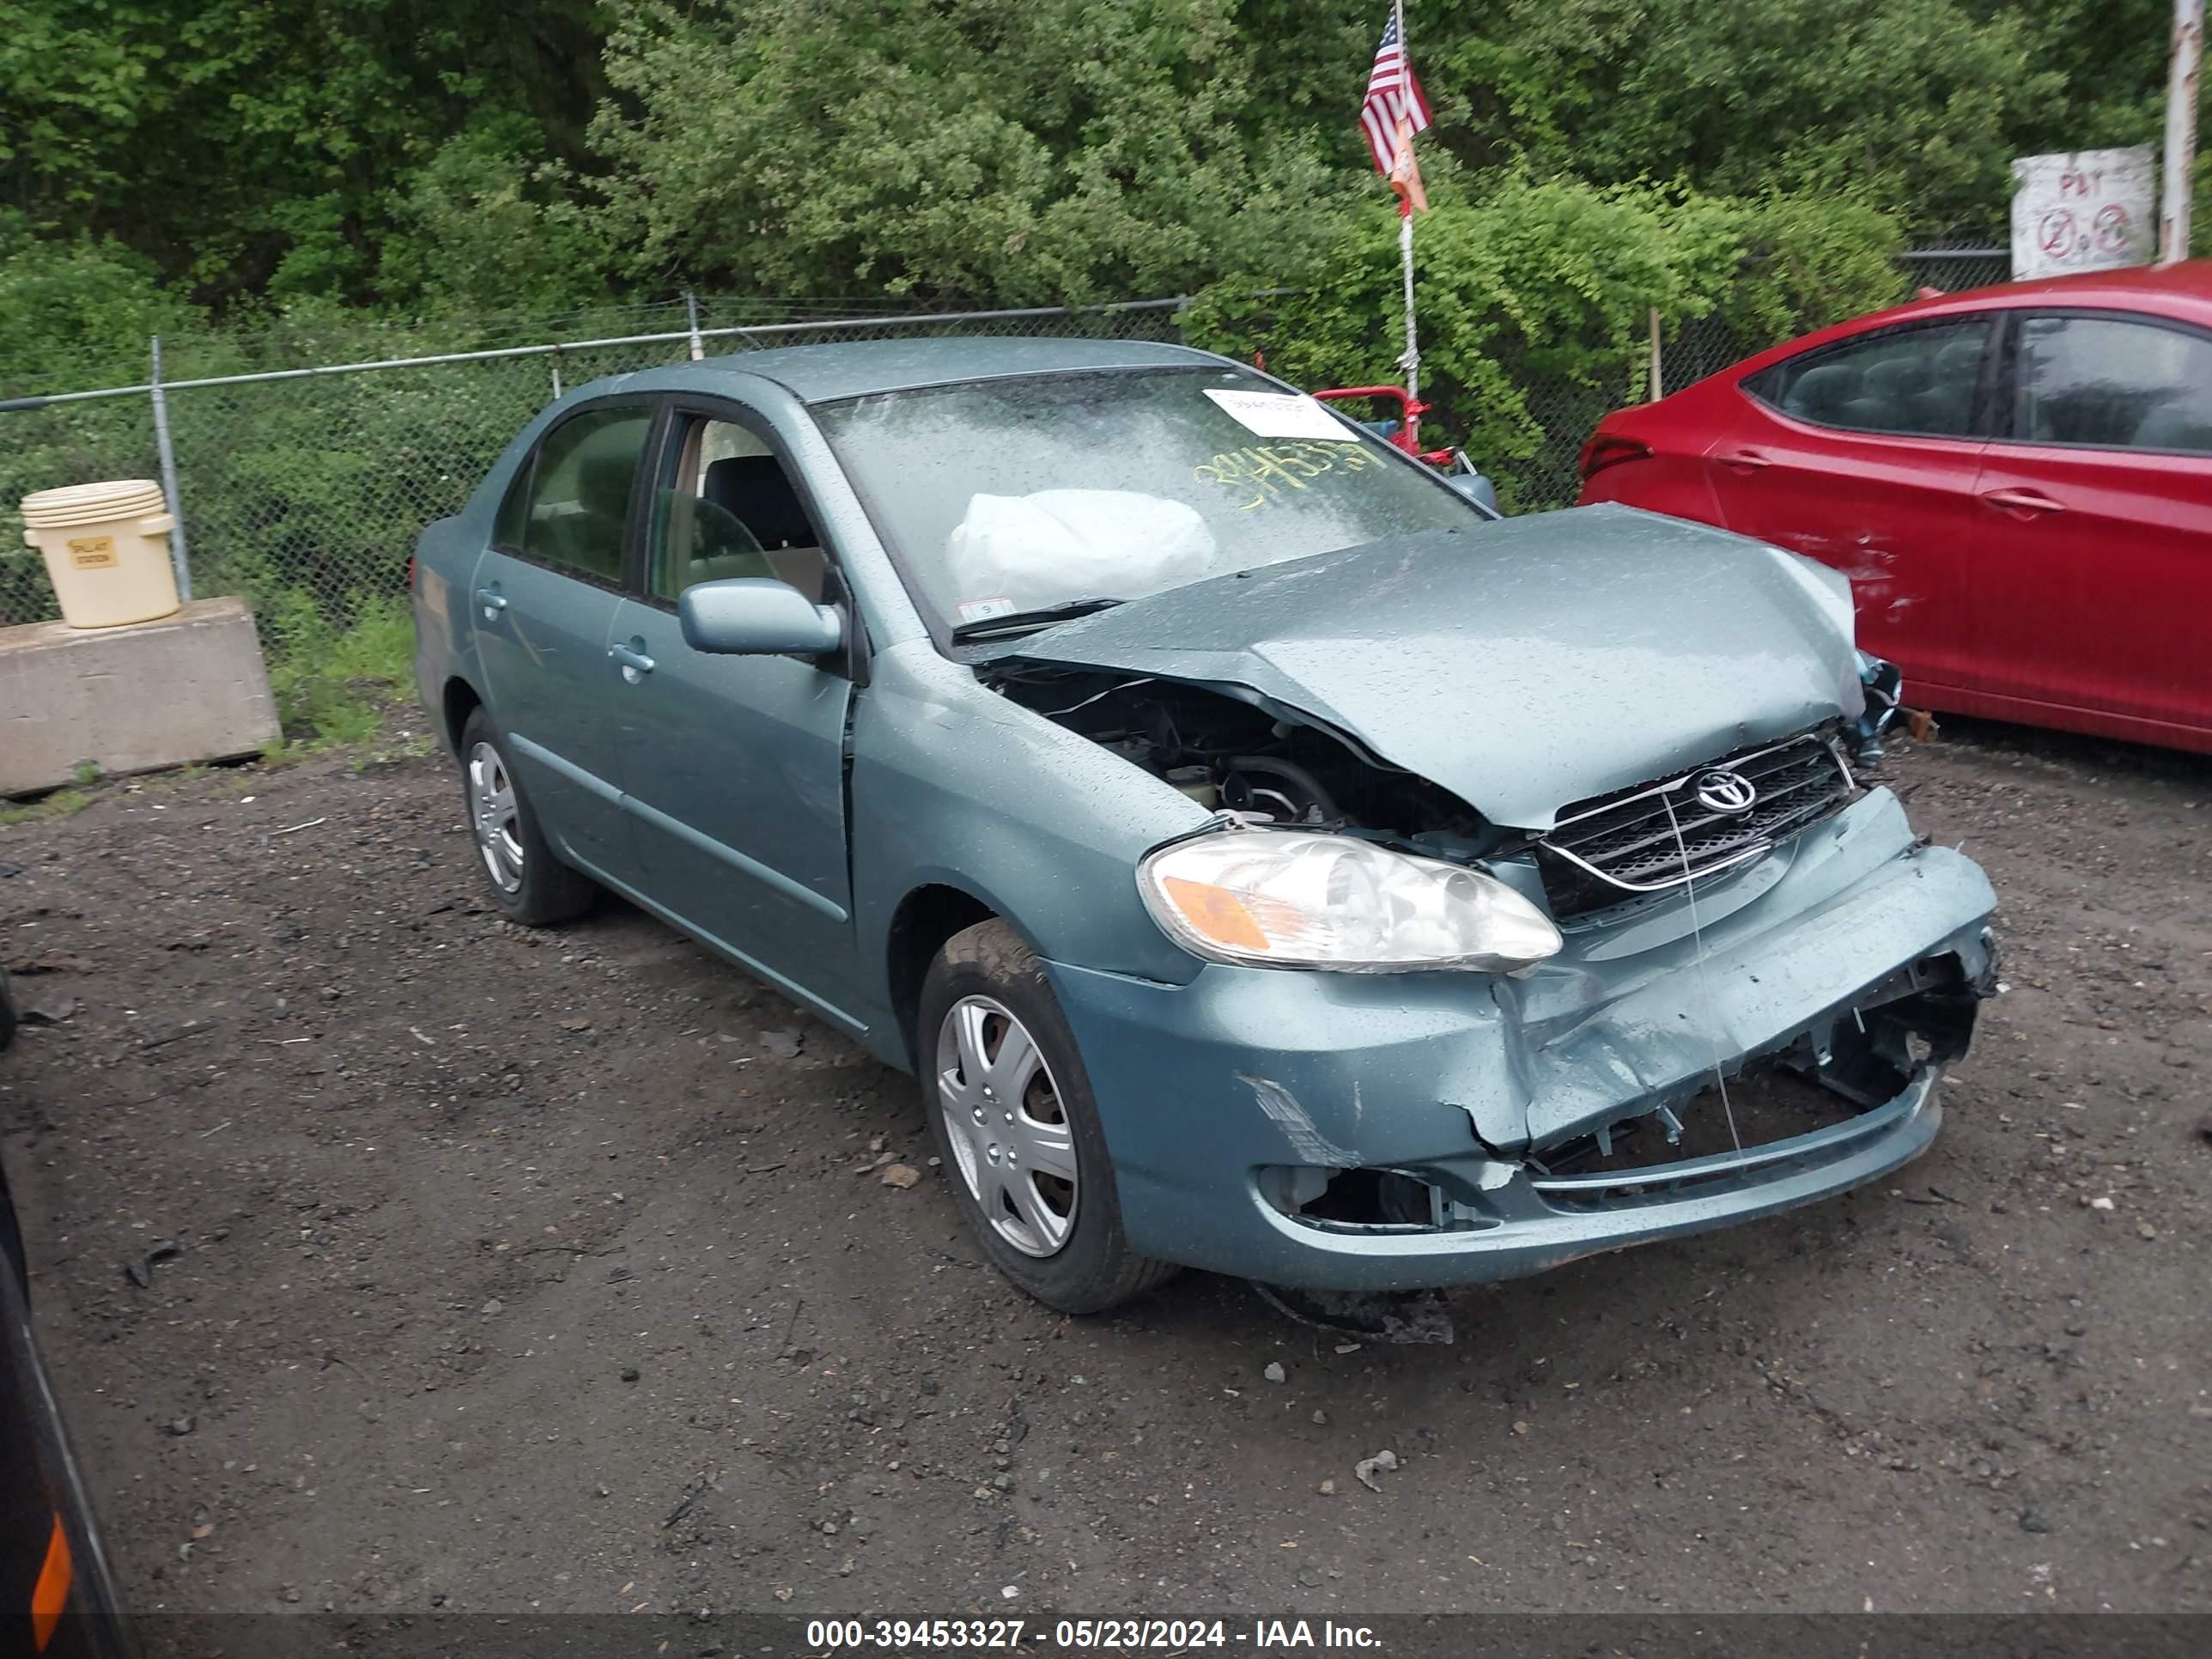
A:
{"x":545,"y":594}
{"x":2096,"y":538}
{"x":1863,"y":455}
{"x":734,"y":767}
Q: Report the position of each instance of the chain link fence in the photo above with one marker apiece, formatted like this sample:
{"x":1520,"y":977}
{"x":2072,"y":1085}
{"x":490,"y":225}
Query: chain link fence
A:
{"x":304,"y":489}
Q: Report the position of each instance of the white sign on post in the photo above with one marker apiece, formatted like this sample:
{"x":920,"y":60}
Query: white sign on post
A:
{"x":2091,"y":211}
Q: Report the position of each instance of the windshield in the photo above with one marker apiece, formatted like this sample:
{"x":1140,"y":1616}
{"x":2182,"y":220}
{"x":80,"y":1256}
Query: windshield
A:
{"x":1006,"y":496}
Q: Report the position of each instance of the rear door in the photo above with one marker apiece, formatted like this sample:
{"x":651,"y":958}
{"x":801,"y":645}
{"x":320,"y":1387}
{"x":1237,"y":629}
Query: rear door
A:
{"x":545,"y":594}
{"x":1863,"y":454}
{"x":733,"y":768}
{"x":2095,"y":534}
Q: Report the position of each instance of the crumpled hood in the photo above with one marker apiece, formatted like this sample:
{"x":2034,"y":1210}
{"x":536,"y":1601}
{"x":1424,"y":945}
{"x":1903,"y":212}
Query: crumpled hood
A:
{"x":1523,"y":664}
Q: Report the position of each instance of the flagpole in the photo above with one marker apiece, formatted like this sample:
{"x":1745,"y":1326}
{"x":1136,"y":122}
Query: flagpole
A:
{"x":1412,"y":360}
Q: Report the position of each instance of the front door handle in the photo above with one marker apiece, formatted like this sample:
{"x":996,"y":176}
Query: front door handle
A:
{"x":1745,"y":460}
{"x":2022,"y":501}
{"x":492,"y":600}
{"x":636,"y":664}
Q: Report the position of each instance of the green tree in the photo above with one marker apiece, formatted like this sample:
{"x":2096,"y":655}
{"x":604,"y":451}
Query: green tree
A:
{"x":451,"y":156}
{"x":261,"y":145}
{"x":1535,"y":301}
{"x":1911,"y":103}
{"x":84,"y":307}
{"x":953,"y":149}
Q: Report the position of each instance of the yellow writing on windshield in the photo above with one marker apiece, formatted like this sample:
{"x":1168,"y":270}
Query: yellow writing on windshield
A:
{"x":1262,"y":473}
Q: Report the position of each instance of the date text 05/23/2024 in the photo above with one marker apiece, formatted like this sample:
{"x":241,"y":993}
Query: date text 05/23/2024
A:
{"x":1171,"y":1635}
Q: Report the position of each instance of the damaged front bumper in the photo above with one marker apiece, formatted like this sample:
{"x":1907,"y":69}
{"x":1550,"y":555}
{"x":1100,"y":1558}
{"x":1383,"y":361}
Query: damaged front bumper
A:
{"x":1359,"y":1132}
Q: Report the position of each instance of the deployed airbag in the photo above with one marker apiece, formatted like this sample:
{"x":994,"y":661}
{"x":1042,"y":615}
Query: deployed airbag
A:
{"x":1059,"y":545}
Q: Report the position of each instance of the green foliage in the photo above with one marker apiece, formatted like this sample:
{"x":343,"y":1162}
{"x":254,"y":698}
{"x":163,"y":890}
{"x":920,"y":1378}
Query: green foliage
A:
{"x":487,"y":224}
{"x":2200,"y":225}
{"x":331,"y":684}
{"x":955,"y":149}
{"x":1912,"y":104}
{"x":1806,"y":261}
{"x":79,"y":307}
{"x":1544,"y":289}
{"x":263,"y":145}
{"x":453,"y":156}
{"x":58,"y":803}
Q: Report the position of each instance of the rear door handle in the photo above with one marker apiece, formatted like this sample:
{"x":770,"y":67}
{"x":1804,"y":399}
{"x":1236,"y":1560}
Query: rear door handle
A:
{"x":2022,"y":501}
{"x":493,"y":602}
{"x":1747,"y":460}
{"x":636,"y":664}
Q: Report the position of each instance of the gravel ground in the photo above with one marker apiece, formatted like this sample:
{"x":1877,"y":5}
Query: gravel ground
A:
{"x":550,"y":1270}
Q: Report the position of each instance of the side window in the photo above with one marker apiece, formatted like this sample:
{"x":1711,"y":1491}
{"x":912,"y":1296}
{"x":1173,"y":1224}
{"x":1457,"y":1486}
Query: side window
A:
{"x":1919,"y":381}
{"x":578,"y":493}
{"x":2113,"y":384}
{"x":729,"y":509}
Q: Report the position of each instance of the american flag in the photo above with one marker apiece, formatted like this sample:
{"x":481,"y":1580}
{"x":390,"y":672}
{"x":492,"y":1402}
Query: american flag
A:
{"x":1393,"y":96}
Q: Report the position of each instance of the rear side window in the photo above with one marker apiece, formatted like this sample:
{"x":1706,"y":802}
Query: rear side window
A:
{"x":578,"y":492}
{"x":2111,"y":383}
{"x":1920,"y":381}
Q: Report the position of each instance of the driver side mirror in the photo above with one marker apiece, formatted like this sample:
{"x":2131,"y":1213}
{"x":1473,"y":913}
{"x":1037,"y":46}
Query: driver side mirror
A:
{"x":756,"y":616}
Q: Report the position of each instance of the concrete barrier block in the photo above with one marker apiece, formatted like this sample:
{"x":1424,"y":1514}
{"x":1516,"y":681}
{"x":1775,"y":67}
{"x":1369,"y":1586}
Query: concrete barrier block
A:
{"x":184,"y":688}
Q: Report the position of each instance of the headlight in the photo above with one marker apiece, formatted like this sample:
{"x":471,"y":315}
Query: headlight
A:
{"x":1282,"y":899}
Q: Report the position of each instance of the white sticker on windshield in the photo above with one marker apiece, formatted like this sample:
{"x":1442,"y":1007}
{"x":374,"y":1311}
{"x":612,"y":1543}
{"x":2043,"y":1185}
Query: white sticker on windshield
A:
{"x":1282,"y":414}
{"x":984,"y":610}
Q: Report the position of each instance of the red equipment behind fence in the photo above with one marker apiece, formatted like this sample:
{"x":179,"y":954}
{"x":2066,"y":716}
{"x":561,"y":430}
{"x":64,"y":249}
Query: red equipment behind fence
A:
{"x":1407,"y":437}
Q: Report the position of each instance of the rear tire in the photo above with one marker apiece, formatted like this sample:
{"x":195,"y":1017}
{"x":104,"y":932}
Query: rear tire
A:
{"x":524,"y":876}
{"x":1017,"y":1130}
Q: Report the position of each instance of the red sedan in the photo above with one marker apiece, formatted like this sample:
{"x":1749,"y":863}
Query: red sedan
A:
{"x":2018,"y":482}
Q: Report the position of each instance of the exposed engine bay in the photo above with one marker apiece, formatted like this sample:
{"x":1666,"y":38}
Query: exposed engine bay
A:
{"x":1231,"y":756}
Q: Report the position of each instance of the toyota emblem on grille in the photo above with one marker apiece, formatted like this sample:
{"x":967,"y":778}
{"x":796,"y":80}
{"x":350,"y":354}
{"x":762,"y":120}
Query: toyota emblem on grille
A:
{"x":1725,"y":792}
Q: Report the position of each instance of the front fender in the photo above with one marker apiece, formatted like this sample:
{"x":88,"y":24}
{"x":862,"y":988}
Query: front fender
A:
{"x":954,"y":785}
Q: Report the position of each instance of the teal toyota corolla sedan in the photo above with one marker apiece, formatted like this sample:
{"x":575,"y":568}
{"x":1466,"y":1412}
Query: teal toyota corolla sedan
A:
{"x":1270,"y":860}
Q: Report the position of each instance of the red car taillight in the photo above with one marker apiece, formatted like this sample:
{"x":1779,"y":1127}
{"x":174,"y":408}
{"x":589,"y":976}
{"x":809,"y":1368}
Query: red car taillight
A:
{"x":1611,"y":449}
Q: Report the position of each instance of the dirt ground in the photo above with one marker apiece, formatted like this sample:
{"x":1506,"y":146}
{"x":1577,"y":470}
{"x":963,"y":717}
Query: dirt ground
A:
{"x":546,"y":1271}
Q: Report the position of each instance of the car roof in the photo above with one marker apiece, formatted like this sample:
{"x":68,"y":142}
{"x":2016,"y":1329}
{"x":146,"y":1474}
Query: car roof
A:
{"x":2185,"y":287}
{"x":2181,"y":291}
{"x":854,"y":368}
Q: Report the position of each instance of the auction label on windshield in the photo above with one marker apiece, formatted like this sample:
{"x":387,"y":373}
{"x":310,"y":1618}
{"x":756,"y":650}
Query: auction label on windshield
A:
{"x":1282,"y":414}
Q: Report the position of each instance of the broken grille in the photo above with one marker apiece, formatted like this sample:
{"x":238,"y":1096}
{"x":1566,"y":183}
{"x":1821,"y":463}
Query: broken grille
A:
{"x":1657,"y":835}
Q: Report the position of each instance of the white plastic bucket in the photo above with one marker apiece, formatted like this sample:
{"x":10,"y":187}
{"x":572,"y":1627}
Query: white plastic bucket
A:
{"x":107,"y":549}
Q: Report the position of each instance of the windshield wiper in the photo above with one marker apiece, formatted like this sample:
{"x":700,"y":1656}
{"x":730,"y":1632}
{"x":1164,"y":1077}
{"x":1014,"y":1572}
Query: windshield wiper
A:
{"x":1020,"y":621}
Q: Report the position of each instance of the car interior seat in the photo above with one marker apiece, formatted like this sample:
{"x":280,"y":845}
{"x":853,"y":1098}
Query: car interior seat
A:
{"x":754,"y":490}
{"x":1945,"y":404}
{"x":1823,"y":393}
{"x":1886,"y":391}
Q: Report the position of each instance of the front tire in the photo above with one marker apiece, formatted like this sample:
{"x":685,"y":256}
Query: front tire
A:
{"x":1017,"y":1130}
{"x":524,"y":877}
